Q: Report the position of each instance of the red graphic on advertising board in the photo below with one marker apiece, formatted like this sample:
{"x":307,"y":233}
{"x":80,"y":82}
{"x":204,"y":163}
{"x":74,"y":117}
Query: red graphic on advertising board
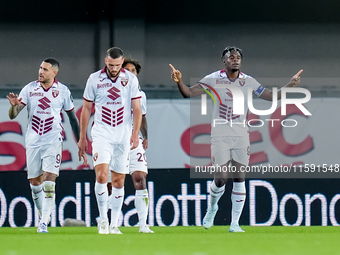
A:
{"x":13,"y":149}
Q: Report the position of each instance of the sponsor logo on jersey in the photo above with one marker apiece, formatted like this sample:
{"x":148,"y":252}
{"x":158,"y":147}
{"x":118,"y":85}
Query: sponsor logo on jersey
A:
{"x":95,"y":156}
{"x":36,"y":94}
{"x":242,"y":81}
{"x":114,"y":103}
{"x":229,"y":93}
{"x":222,"y":81}
{"x":43,"y":112}
{"x":124,"y":81}
{"x":113,"y":93}
{"x":55,"y":93}
{"x":104,"y":85}
{"x":229,"y":96}
{"x":44,"y":103}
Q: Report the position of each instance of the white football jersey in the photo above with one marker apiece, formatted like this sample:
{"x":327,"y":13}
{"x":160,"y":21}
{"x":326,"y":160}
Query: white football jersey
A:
{"x":143,"y":102}
{"x":143,"y":106}
{"x":112,"y":99}
{"x":44,"y":112}
{"x":224,"y":121}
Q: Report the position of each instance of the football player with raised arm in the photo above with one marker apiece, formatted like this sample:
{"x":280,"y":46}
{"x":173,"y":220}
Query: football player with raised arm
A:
{"x":229,"y":144}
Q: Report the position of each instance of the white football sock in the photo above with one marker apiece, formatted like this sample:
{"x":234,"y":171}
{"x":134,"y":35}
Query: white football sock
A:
{"x":116,"y":205}
{"x":238,"y":197}
{"x":109,"y":202}
{"x":215,"y":194}
{"x":47,"y":201}
{"x":37,"y":195}
{"x":142,"y":205}
{"x":101,"y":196}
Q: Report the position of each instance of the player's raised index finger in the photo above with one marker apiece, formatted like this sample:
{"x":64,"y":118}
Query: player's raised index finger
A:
{"x":173,"y":68}
{"x":298,"y":74}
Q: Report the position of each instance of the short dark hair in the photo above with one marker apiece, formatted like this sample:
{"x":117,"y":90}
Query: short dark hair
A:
{"x":134,"y":62}
{"x":114,"y":53}
{"x":231,"y":48}
{"x":53,"y":62}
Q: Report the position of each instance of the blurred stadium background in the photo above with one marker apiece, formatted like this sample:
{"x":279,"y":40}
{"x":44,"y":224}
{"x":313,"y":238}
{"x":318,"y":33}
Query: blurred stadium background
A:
{"x":278,"y":39}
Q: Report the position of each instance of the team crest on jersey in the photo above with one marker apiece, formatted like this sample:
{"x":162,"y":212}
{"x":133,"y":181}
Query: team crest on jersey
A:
{"x":95,"y":156}
{"x":124,"y":81}
{"x":241,"y":81}
{"x":55,"y":93}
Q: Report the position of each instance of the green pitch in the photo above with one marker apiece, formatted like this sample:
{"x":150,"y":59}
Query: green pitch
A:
{"x":171,"y":240}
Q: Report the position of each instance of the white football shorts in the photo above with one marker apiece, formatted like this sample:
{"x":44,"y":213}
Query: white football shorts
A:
{"x":45,"y":158}
{"x":225,"y":148}
{"x":116,"y":155}
{"x":137,"y":160}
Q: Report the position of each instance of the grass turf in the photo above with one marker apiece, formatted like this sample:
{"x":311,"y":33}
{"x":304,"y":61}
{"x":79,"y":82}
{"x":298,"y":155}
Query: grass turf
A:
{"x":171,"y":240}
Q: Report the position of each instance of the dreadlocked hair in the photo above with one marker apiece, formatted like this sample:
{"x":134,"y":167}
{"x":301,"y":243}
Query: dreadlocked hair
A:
{"x":231,"y":48}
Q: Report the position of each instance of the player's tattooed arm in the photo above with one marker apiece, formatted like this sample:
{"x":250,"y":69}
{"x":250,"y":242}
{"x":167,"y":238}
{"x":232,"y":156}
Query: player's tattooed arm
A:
{"x":144,"y":131}
{"x":16,"y":105}
{"x":186,"y":92}
{"x":74,"y":124}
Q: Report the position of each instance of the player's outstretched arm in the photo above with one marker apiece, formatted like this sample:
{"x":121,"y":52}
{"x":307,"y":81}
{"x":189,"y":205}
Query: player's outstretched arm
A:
{"x":84,"y":121}
{"x":16,"y":105}
{"x":294,"y":81}
{"x":74,"y":124}
{"x":144,"y":131}
{"x":186,"y":92}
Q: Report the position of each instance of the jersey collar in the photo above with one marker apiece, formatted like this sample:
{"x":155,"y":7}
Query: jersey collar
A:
{"x":54,"y":85}
{"x":223,"y":74}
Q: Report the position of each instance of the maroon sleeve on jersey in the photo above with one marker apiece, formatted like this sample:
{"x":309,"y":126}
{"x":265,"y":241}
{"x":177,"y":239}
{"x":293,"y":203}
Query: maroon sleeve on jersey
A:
{"x":70,"y":110}
{"x":87,"y":100}
{"x":136,"y":98}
